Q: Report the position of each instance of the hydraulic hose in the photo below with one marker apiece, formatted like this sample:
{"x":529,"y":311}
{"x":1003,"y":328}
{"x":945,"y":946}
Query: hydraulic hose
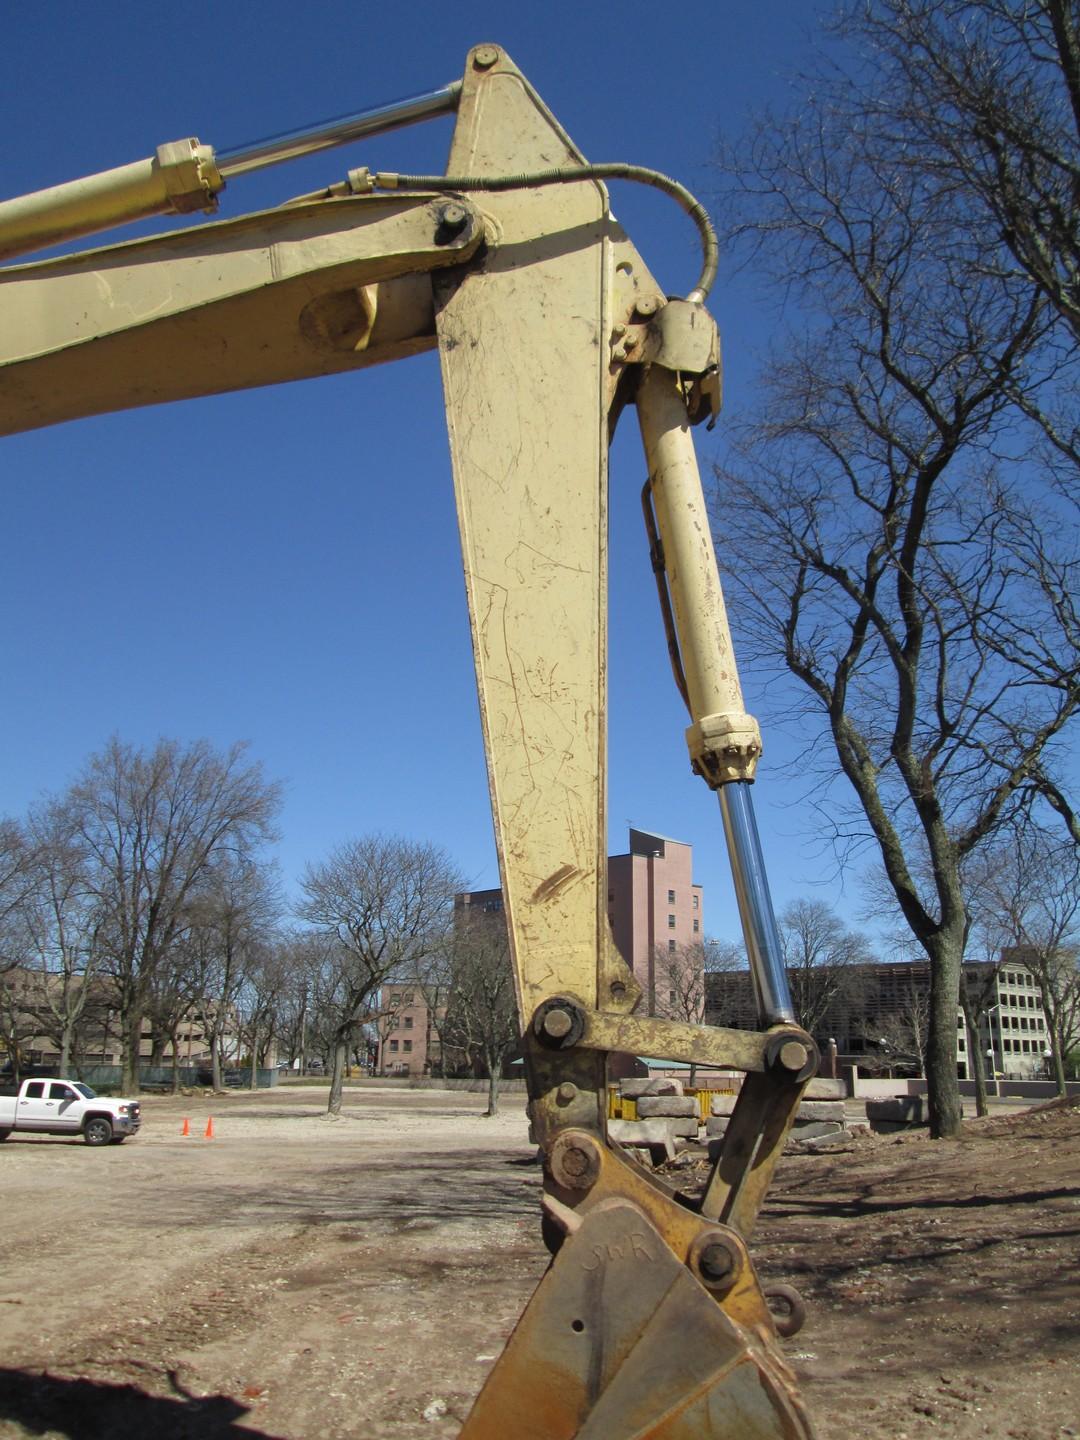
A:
{"x":710,"y":245}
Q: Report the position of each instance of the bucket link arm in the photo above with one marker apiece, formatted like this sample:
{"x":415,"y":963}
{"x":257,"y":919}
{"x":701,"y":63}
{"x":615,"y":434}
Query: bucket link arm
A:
{"x":650,"y":1320}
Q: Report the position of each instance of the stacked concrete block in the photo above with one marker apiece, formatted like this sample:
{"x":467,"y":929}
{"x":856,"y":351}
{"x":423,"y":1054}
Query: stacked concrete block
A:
{"x":664,"y":1113}
{"x":634,"y":1088}
{"x":819,"y":1122}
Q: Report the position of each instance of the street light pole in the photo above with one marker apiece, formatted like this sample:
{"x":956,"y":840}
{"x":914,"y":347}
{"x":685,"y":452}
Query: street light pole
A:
{"x":993,"y":1070}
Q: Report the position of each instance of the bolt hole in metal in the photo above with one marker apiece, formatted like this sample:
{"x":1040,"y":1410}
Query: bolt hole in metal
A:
{"x":577,"y":1326}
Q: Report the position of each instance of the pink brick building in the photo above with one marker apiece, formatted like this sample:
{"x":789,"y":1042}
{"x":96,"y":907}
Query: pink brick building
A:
{"x":655,"y":910}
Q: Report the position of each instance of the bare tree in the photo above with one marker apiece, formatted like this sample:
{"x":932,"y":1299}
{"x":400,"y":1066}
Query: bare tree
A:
{"x":681,"y":979}
{"x":901,"y":1037}
{"x":889,"y":521}
{"x":266,"y":978}
{"x":16,"y":859}
{"x":230,"y":921}
{"x":482,"y":1019}
{"x":152,"y":825}
{"x":822,"y":956}
{"x":302,"y":957}
{"x":384,"y":903}
{"x":384,"y":1014}
{"x":58,"y":923}
{"x":990,"y":91}
{"x":1033,"y":893}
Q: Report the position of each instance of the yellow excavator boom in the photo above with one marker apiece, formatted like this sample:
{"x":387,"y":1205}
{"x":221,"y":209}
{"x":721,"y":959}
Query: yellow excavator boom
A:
{"x":651,"y":1320}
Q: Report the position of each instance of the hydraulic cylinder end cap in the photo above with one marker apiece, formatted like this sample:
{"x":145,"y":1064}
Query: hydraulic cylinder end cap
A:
{"x":189,"y":175}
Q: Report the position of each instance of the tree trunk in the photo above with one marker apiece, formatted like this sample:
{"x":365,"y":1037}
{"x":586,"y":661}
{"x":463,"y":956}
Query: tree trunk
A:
{"x":129,"y":1059}
{"x":337,"y":1079}
{"x":65,"y":1050}
{"x":943,"y":1087}
{"x":493,"y":1090}
{"x":1058,"y":1061}
{"x":975,"y":1060}
{"x":215,"y":1060}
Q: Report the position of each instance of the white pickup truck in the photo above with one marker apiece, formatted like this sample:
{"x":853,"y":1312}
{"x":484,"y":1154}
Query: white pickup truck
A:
{"x":66,"y":1107}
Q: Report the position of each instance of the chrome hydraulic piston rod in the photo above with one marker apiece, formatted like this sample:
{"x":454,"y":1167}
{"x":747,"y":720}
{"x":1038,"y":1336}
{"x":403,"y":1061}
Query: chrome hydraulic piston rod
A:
{"x":186,"y":175}
{"x":256,"y":155}
{"x":724,"y":741}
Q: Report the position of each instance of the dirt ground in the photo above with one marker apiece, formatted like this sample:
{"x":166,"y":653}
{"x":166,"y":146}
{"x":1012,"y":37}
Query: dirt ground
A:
{"x":294,"y":1278}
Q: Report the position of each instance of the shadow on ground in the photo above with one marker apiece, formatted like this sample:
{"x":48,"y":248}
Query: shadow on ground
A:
{"x":90,"y":1410}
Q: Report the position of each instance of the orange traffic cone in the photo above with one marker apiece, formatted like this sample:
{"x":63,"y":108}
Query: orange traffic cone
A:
{"x":186,"y":1128}
{"x":210,"y":1128}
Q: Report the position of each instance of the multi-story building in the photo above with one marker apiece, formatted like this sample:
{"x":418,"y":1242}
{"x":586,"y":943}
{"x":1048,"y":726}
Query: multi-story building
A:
{"x":655,"y":910}
{"x":1013,"y":1035}
{"x":408,"y":1038}
{"x":879,"y":1015}
{"x":31,"y":999}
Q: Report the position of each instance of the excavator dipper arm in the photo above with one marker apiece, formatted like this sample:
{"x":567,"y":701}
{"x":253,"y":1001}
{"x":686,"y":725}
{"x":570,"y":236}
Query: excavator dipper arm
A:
{"x":650,"y":1320}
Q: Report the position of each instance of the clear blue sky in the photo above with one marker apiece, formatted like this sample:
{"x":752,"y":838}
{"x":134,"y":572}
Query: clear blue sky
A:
{"x":282,"y":566}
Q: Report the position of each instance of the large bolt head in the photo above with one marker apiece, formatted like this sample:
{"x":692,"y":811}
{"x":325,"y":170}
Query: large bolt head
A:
{"x":793,"y":1055}
{"x":716,"y":1259}
{"x":557,"y":1023}
{"x":575,"y":1160}
{"x":716,"y":1262}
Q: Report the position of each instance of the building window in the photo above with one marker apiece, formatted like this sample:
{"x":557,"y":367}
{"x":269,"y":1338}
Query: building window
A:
{"x":671,"y":947}
{"x":393,"y":1046}
{"x":697,"y":926}
{"x":671,"y":897}
{"x":408,"y":1022}
{"x":671,"y":922}
{"x":697,"y":901}
{"x":406,"y":1045}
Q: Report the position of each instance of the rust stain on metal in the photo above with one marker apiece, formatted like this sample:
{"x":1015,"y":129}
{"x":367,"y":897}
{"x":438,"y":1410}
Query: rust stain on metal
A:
{"x":549,"y":888}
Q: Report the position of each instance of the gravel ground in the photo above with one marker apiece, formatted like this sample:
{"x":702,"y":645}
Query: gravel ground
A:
{"x":295,"y":1277}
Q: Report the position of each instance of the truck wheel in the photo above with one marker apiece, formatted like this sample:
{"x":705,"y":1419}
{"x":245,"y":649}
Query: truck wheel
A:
{"x":3,"y":1135}
{"x":97,"y":1131}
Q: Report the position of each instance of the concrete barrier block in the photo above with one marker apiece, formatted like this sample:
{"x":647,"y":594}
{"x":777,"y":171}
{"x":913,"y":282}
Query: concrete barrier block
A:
{"x":897,"y":1110}
{"x":822,"y":1088}
{"x":653,"y":1134}
{"x":649,"y":1106}
{"x":815,"y":1129}
{"x":722,"y":1104}
{"x":635,"y":1086}
{"x":716,"y":1125}
{"x":820,"y":1110}
{"x":826,"y":1142}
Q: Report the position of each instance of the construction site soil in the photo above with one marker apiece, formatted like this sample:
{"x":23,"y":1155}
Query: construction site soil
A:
{"x":294,"y":1277}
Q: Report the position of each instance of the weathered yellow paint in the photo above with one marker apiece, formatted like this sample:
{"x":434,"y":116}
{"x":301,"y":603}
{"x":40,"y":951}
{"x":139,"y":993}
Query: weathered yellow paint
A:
{"x":524,"y":352}
{"x":281,"y":295}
